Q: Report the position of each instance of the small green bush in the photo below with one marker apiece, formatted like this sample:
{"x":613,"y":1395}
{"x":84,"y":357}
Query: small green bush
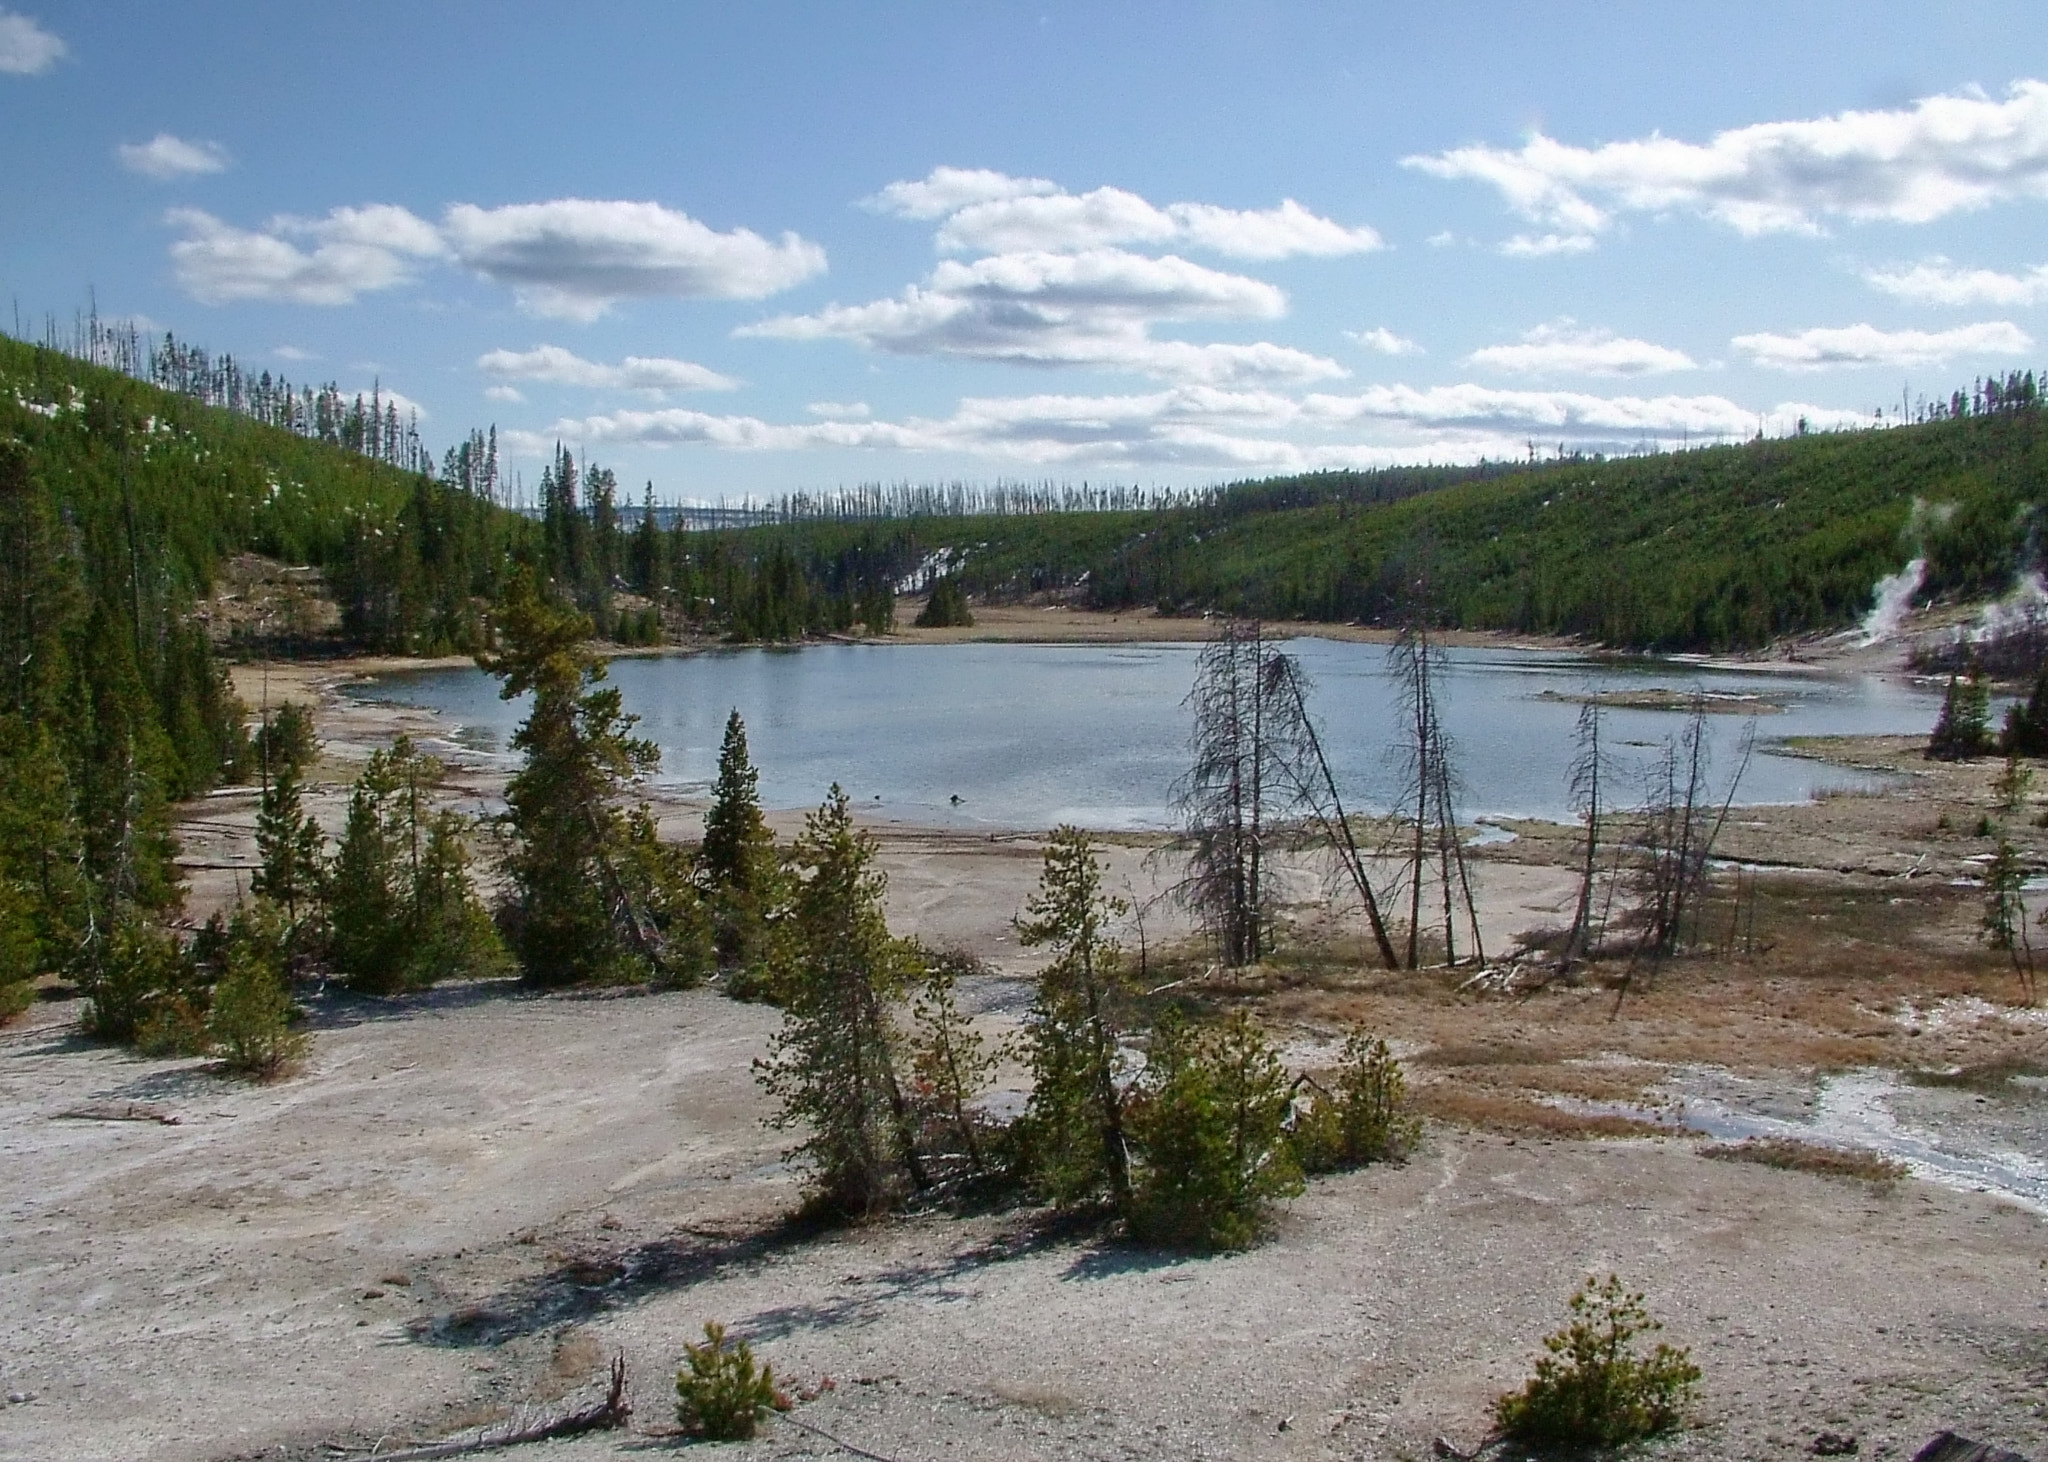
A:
{"x":128,"y":972}
{"x":1593,"y":1388}
{"x":1209,"y":1124}
{"x":251,"y":1020}
{"x":1361,"y":1119}
{"x":720,"y":1394}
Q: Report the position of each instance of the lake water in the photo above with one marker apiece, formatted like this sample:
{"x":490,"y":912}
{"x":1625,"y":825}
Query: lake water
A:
{"x":1032,"y":735}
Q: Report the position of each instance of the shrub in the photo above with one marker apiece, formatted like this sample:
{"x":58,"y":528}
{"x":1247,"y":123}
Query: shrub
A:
{"x":129,"y":972}
{"x":720,"y":1393}
{"x":1593,"y":1388}
{"x":251,"y":1019}
{"x":1210,"y":1124}
{"x":1360,"y":1121}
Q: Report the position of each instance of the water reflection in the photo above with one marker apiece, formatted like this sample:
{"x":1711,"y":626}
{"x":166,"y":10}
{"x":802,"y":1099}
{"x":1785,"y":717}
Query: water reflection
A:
{"x":1030,"y":735}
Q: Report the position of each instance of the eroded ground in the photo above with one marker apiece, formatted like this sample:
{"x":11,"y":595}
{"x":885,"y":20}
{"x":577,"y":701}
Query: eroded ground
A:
{"x":468,"y":1200}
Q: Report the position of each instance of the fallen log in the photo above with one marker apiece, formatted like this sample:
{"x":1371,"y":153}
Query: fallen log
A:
{"x":607,"y":1415}
{"x":119,"y":1112}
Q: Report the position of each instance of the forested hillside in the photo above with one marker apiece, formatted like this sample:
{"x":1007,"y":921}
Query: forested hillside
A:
{"x":1712,"y":548}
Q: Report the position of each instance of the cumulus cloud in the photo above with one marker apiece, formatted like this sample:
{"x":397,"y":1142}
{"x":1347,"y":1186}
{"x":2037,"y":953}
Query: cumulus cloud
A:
{"x":352,"y":251}
{"x":840,"y":410}
{"x":1866,"y":345}
{"x":948,"y":190}
{"x":1209,"y":427}
{"x":1938,"y":282}
{"x":1562,"y":348}
{"x":575,"y":257}
{"x":26,"y":49}
{"x":294,"y":353}
{"x":991,"y":213}
{"x":1941,"y":155}
{"x":561,"y":367}
{"x":509,"y":394}
{"x":1385,"y":341}
{"x":1094,"y":308}
{"x":571,"y":257}
{"x":165,"y":157}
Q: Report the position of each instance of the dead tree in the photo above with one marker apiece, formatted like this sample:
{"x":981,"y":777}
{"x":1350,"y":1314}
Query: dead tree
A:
{"x":1585,"y":787}
{"x":1315,"y":789}
{"x":1429,"y":802}
{"x":1233,"y":799}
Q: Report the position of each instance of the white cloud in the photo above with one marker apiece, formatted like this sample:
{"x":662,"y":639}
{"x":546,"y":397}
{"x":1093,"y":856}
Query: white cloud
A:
{"x":355,"y":251}
{"x":1563,"y":348}
{"x":508,"y":394}
{"x":1207,"y":427}
{"x":26,"y":49}
{"x":1544,"y":246}
{"x":992,"y":213}
{"x":553,"y":364}
{"x":1938,"y":282}
{"x":1442,"y":239}
{"x":947,"y":190}
{"x":1941,"y":155}
{"x":294,"y":353}
{"x":1385,"y":341}
{"x":575,"y":257}
{"x":384,"y":396}
{"x":1089,"y":309}
{"x":165,"y":157}
{"x":840,"y":410}
{"x":1866,"y":345}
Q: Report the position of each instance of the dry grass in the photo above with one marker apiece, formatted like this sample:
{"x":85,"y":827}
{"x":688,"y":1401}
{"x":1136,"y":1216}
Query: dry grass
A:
{"x":1791,"y":1155}
{"x":1522,"y":1113}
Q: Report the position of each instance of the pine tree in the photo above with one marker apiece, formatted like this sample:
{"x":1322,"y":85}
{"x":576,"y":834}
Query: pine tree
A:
{"x":1210,"y":1122}
{"x":574,"y":913}
{"x":946,"y":608}
{"x":833,"y":1065}
{"x":951,"y":1060}
{"x":737,"y":865}
{"x":1072,"y":1130}
{"x":2026,"y":724}
{"x":1962,"y":730}
{"x":291,"y":849}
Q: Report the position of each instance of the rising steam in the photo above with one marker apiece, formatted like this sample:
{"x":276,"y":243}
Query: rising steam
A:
{"x":1894,"y":596}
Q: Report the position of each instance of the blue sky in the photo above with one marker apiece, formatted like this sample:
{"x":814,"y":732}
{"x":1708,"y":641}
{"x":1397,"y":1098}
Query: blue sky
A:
{"x":743,"y":249}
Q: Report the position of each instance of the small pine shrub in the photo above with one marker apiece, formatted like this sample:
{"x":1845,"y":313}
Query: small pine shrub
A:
{"x":1362,"y":1120}
{"x":1593,"y":1388}
{"x":1210,"y":1125}
{"x":721,"y":1394}
{"x":128,"y":973}
{"x":251,"y":1020}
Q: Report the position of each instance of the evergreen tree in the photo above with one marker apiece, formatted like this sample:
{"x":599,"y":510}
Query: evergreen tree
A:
{"x":1962,"y":730}
{"x":950,"y":1059}
{"x":2026,"y":724}
{"x":833,"y":1065}
{"x":646,"y":556}
{"x":737,"y":864}
{"x":1210,"y":1122}
{"x":1072,"y":1130}
{"x":946,"y":607}
{"x":45,"y":892}
{"x":291,"y":850}
{"x":574,"y":913}
{"x":250,"y":1019}
{"x":402,"y":908}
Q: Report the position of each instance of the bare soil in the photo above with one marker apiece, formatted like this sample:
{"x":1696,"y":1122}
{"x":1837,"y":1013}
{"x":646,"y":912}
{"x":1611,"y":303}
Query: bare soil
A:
{"x":465,"y":1201}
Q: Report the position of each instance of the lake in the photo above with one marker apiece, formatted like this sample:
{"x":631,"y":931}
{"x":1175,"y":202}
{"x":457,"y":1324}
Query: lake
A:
{"x":1027,"y":736}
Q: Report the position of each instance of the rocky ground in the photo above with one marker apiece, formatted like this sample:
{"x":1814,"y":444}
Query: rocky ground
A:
{"x":466,"y":1201}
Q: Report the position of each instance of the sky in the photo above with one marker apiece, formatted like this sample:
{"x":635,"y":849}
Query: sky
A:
{"x":740,"y":250}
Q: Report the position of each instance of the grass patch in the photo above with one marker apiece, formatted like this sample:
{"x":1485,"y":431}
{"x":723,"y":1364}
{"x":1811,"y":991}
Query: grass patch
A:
{"x":1519,"y":1115}
{"x":1791,"y":1155}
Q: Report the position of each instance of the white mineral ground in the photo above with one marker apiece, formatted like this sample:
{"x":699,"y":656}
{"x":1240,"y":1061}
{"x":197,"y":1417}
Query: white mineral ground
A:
{"x":467,"y":1200}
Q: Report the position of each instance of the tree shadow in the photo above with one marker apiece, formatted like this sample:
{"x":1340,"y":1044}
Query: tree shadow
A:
{"x":333,"y":1006}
